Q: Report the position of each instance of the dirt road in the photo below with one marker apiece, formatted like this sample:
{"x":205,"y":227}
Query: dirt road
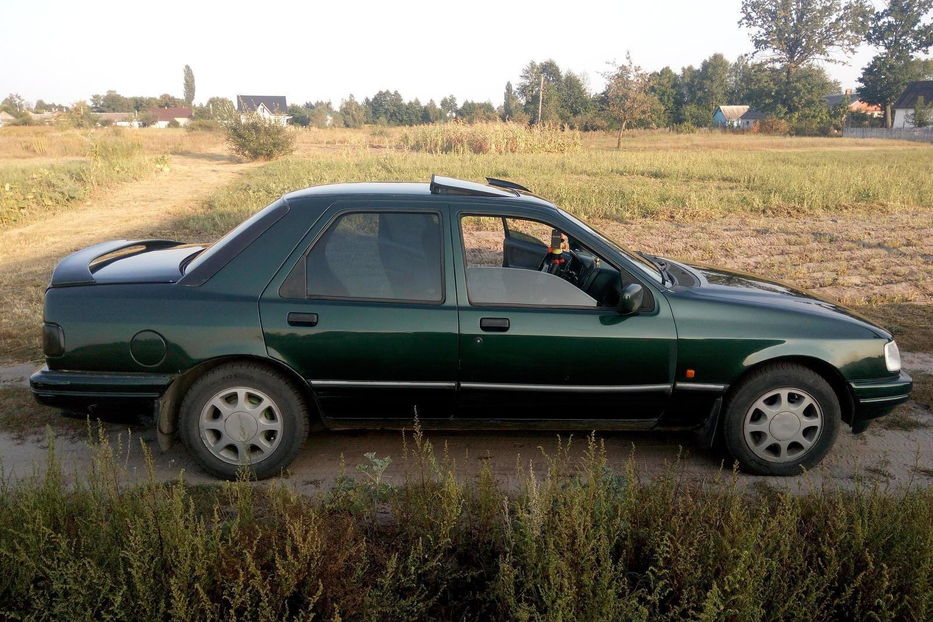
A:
{"x":899,"y":455}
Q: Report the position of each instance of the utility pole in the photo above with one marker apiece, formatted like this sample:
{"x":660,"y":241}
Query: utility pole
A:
{"x":540,"y":97}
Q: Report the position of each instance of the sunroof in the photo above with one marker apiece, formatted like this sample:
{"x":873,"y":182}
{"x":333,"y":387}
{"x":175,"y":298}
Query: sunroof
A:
{"x":449,"y":185}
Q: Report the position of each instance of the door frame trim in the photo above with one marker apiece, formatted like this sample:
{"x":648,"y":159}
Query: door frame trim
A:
{"x":491,"y":386}
{"x":380,"y":384}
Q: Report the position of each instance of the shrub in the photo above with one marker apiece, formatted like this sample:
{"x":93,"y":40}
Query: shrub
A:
{"x":773,"y":126}
{"x":258,"y":139}
{"x":205,"y":125}
{"x":574,"y":542}
{"x":174,"y":123}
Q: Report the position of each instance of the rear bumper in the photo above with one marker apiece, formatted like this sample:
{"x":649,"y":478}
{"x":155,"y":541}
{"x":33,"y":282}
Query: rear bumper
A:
{"x":876,"y":398}
{"x":85,"y":391}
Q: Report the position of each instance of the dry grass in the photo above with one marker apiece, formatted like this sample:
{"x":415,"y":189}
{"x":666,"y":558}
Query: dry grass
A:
{"x":499,"y":138}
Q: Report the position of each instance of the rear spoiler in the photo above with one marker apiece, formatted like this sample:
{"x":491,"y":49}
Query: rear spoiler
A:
{"x":75,"y":269}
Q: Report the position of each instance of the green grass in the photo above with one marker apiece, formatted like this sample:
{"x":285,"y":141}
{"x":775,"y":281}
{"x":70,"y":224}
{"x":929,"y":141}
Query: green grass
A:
{"x":680,"y":184}
{"x":575,"y":542}
{"x":26,"y":189}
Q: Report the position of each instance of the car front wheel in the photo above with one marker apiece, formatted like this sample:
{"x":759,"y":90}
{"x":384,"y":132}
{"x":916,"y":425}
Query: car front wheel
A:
{"x":243,"y":416}
{"x":782,"y":419}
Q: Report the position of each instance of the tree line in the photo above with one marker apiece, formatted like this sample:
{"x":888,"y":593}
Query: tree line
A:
{"x":784,"y":78}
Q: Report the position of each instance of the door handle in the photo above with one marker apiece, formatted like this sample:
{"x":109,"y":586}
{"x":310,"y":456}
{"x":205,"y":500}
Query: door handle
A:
{"x":302,"y":319}
{"x":494,"y":324}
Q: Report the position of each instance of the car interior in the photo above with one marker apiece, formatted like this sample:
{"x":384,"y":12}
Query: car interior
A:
{"x":523,"y":249}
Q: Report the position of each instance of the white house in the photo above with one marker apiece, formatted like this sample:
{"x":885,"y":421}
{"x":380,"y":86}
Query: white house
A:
{"x":728,"y":116}
{"x":269,"y":107}
{"x":907,"y":102}
{"x":742,"y":117}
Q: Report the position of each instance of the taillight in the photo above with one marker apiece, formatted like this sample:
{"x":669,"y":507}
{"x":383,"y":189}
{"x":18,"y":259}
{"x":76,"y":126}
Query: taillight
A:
{"x":53,"y":340}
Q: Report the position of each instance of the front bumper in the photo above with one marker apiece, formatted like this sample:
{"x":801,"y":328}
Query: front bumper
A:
{"x":876,"y":398}
{"x":87,"y":391}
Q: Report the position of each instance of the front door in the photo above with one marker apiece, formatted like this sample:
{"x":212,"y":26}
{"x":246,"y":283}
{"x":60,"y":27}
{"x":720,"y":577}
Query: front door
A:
{"x":368,"y":314}
{"x":540,"y":336}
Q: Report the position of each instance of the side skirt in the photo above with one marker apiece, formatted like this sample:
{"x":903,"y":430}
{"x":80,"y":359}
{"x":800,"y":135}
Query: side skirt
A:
{"x":557,"y":425}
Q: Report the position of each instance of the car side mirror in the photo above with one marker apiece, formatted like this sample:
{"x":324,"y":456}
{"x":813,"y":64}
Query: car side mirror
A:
{"x":631,"y":298}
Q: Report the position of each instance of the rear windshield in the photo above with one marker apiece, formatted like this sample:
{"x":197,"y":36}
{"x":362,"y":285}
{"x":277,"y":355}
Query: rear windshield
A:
{"x":226,"y":248}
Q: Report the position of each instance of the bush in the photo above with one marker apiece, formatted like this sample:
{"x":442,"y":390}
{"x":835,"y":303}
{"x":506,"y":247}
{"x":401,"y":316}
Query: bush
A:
{"x":575,"y":541}
{"x":773,"y":126}
{"x":258,"y":139}
{"x":205,"y":125}
{"x":174,"y":123}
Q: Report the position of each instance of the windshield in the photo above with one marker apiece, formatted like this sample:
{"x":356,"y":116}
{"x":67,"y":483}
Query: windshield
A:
{"x":644,"y":266}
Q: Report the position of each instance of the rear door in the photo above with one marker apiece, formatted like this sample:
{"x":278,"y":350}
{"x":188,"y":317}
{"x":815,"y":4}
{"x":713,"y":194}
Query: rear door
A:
{"x":366,"y":311}
{"x":533,"y":345}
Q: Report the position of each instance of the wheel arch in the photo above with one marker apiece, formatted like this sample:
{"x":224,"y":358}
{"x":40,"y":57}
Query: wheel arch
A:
{"x":826,"y":370}
{"x":169,"y":405}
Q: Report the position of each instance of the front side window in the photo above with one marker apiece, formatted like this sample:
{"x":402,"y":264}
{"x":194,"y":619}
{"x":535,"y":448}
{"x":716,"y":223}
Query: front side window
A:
{"x":516,"y":261}
{"x":379,"y":256}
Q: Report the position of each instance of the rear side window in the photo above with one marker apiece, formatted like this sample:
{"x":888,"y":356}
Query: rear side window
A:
{"x":378,"y":256}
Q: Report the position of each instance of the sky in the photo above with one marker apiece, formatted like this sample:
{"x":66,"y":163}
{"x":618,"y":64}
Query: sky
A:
{"x":65,"y":51}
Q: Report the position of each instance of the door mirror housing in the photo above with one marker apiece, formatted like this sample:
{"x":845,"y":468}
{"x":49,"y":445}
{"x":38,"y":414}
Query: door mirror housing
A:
{"x":630,"y":299}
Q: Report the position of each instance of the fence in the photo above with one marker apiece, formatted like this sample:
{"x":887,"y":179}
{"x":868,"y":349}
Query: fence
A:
{"x":919,"y":134}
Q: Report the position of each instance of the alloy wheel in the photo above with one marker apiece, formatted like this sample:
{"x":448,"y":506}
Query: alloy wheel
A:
{"x":783,"y":424}
{"x":241,"y":425}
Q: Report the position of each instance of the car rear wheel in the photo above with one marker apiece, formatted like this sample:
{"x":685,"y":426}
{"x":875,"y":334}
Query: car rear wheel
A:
{"x":782,"y":419}
{"x":243,"y":416}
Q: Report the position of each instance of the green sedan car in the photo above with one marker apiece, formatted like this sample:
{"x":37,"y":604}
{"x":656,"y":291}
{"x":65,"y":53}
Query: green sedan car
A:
{"x":464,"y":305}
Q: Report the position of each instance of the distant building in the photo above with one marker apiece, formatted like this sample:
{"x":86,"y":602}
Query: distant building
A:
{"x":6,"y":118}
{"x":121,"y":119}
{"x":907,"y":102}
{"x":737,"y":116}
{"x":728,"y":116}
{"x":853,"y":103}
{"x":270,"y":107}
{"x":164,"y":116}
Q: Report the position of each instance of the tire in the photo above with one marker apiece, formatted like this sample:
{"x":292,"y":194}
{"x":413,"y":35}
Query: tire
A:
{"x":781,"y":420}
{"x":243,"y":416}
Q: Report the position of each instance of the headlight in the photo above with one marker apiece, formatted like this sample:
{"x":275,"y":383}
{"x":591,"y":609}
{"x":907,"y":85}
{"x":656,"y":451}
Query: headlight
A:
{"x":892,"y":356}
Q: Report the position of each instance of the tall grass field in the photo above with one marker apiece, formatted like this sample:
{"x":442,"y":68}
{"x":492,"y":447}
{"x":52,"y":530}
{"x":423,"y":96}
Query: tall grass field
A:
{"x":574,"y":542}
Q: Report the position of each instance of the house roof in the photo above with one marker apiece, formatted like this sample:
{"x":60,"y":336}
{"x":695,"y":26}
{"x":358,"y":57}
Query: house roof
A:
{"x":167,"y":114}
{"x":250,"y":103}
{"x":6,"y":116}
{"x":835,"y":100}
{"x":753,"y":115}
{"x":921,"y":88}
{"x":732,"y":113}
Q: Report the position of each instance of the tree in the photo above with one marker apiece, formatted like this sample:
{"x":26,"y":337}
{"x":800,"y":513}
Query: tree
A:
{"x":449,"y":106}
{"x":899,"y":31}
{"x":476,"y":112}
{"x":664,"y":88}
{"x":217,"y":109}
{"x":529,"y":89}
{"x":922,"y":114}
{"x":189,"y":85}
{"x":510,"y":103}
{"x":628,"y":95}
{"x":793,"y":34}
{"x":13,"y":104}
{"x":352,"y":112}
{"x":431,"y":113}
